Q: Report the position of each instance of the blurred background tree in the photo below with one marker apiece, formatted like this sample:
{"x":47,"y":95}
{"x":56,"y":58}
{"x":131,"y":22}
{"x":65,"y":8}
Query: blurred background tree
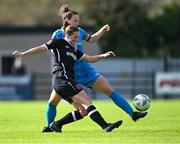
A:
{"x":139,"y":28}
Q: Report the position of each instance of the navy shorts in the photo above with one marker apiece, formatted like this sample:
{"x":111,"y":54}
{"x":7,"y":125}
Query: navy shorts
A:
{"x":65,"y":88}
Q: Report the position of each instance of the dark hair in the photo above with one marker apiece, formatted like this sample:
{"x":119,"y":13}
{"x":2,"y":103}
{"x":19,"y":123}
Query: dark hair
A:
{"x":66,"y":13}
{"x":63,"y":9}
{"x":69,"y":30}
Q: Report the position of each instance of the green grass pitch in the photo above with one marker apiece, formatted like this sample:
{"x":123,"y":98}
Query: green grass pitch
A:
{"x":21,"y":123}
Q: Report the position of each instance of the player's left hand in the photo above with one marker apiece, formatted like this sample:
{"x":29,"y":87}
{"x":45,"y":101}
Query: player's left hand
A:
{"x":109,"y":53}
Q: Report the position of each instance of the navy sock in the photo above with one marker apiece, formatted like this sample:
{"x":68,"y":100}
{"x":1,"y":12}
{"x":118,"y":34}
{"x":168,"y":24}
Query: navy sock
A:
{"x":121,"y":102}
{"x":69,"y":118}
{"x":96,"y":116}
{"x":50,"y":114}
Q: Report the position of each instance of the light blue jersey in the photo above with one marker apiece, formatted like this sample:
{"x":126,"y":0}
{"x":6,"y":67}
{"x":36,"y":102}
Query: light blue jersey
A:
{"x":84,"y":73}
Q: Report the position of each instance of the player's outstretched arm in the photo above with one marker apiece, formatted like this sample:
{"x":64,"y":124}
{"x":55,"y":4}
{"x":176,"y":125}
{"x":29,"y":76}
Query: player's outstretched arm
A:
{"x":35,"y":50}
{"x":96,"y":36}
{"x":96,"y":58}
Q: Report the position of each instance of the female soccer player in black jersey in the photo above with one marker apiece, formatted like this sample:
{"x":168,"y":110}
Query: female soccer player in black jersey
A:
{"x":65,"y":53}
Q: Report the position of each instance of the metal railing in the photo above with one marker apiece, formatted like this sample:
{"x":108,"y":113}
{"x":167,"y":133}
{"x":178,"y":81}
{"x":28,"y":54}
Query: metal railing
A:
{"x":128,"y":84}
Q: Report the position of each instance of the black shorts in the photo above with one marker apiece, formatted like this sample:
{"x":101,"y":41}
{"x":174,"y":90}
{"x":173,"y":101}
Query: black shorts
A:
{"x":65,"y":88}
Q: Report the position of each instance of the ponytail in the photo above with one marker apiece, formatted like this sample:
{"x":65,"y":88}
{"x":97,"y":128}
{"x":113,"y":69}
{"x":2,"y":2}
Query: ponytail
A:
{"x":65,"y":13}
{"x":63,"y":9}
{"x":65,"y":24}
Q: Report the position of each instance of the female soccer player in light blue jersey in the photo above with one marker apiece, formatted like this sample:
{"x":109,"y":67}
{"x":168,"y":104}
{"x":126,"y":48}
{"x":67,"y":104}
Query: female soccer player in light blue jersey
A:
{"x":84,"y":73}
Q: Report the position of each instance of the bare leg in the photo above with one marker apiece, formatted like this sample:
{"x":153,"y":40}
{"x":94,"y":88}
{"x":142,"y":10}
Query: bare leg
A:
{"x":102,"y":85}
{"x":83,"y":99}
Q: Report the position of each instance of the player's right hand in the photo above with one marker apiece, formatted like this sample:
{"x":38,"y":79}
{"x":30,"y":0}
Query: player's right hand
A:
{"x":106,"y":28}
{"x":16,"y":53}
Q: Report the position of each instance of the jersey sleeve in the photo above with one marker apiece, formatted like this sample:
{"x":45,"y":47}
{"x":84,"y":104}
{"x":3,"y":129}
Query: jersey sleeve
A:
{"x":85,"y":35}
{"x":79,"y":55}
{"x":58,"y":35}
{"x":51,"y":44}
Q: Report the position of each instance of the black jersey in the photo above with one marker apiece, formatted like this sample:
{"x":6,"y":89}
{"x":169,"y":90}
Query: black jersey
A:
{"x":64,"y":57}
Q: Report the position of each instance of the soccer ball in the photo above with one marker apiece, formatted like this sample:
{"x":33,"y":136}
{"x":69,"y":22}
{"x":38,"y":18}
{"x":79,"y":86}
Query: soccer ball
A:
{"x":141,"y":102}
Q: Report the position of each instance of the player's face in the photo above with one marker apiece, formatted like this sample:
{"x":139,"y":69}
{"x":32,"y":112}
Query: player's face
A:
{"x":74,"y":20}
{"x":74,"y":36}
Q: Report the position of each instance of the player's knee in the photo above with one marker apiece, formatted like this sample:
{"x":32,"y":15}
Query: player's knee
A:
{"x":54,"y":101}
{"x":54,"y":98}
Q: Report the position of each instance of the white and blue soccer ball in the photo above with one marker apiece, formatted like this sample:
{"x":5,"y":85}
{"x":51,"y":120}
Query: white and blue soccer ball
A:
{"x":141,"y":102}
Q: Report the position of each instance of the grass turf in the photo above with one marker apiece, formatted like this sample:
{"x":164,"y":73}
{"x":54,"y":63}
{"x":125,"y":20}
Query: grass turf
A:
{"x":21,"y":123}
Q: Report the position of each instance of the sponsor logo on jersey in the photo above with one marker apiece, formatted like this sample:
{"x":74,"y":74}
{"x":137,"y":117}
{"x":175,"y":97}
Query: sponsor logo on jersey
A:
{"x":72,"y":55}
{"x":67,"y":46}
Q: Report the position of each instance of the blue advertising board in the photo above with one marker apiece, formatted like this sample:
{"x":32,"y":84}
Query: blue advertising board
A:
{"x":15,"y":87}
